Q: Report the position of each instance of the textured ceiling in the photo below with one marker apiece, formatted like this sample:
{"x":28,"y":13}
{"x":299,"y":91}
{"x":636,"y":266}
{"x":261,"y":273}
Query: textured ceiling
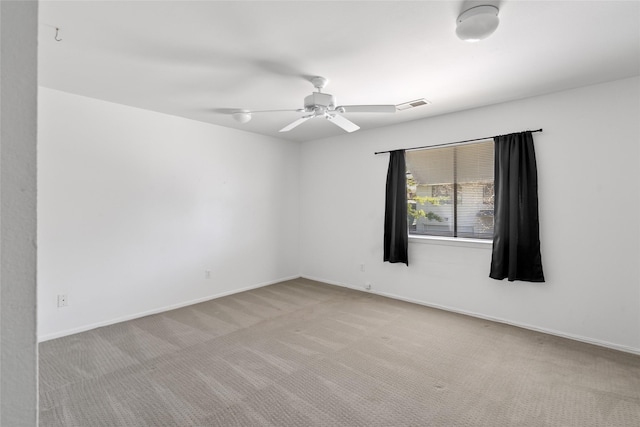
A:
{"x":191,"y":59}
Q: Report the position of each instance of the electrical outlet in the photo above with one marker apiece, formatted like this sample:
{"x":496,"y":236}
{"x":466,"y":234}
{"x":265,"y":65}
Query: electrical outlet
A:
{"x":62,"y":300}
{"x":207,"y":274}
{"x":362,"y":267}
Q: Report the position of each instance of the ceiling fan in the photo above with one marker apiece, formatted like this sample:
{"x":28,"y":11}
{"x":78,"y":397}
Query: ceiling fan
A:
{"x":318,"y":104}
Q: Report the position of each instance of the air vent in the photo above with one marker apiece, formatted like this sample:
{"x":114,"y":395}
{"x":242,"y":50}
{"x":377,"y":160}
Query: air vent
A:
{"x":412,"y":104}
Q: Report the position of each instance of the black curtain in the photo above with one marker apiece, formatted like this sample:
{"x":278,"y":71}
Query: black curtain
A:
{"x":396,"y":235}
{"x":516,"y":236}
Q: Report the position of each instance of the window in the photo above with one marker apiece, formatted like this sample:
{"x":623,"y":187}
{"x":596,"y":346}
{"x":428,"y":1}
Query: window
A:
{"x":450,"y":191}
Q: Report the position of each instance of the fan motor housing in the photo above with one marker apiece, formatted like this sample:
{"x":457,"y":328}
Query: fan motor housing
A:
{"x":317,"y":99}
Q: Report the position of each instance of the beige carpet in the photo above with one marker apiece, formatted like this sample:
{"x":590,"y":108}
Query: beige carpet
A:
{"x":300,"y":353}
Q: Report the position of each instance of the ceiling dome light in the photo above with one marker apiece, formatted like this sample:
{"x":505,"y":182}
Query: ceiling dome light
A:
{"x":477,"y":23}
{"x":242,"y":116}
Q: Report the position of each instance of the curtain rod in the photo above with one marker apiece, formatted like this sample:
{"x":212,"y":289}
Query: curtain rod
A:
{"x":452,"y":143}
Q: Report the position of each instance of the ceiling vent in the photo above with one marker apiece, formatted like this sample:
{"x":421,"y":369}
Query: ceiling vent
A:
{"x":412,"y":104}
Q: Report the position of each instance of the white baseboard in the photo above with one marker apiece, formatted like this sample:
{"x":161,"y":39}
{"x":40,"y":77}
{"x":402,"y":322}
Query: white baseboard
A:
{"x":84,"y":328}
{"x":587,"y":340}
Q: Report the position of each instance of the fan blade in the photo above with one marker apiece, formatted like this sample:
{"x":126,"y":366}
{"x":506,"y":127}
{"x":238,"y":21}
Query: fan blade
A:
{"x":345,"y":124}
{"x":227,"y":110}
{"x":297,"y":123}
{"x":367,"y":108}
{"x":243,"y":110}
{"x":299,"y":110}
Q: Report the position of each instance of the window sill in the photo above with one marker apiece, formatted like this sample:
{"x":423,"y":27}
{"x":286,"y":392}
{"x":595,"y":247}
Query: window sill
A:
{"x":452,"y":241}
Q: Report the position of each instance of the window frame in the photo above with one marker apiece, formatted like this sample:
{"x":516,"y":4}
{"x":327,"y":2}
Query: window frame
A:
{"x":486,"y":243}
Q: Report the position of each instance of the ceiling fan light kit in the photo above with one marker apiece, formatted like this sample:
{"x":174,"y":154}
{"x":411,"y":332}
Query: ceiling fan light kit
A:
{"x":320,"y":104}
{"x":477,"y":23}
{"x":319,"y":99}
{"x":242,"y":116}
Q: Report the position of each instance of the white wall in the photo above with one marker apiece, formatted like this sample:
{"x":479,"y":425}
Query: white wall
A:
{"x":589,"y":195}
{"x":18,"y":91}
{"x":134,"y":207}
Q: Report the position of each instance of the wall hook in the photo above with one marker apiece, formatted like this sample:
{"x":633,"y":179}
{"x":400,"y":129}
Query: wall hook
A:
{"x":56,"y":36}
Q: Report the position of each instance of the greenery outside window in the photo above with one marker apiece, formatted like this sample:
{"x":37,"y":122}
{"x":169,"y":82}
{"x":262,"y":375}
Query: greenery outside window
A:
{"x":450,"y":191}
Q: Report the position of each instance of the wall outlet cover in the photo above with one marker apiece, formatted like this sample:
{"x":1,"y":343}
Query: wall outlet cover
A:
{"x":62,"y":300}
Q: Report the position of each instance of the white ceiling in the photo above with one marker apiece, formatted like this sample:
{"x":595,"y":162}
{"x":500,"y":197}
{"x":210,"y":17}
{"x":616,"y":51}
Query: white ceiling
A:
{"x":190,"y":58}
